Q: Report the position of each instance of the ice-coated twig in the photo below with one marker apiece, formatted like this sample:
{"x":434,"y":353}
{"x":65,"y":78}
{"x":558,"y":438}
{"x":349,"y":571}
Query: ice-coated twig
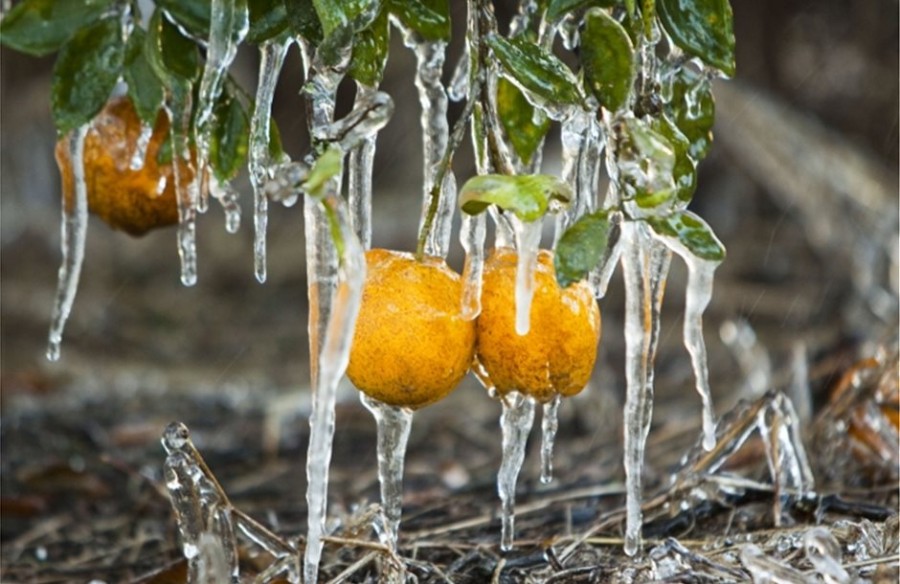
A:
{"x":471,"y":235}
{"x":549,"y":426}
{"x":515,"y":424}
{"x":73,"y":234}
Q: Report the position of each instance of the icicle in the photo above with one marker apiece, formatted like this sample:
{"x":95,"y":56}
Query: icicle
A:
{"x":228,"y":25}
{"x":228,"y":198}
{"x":472,"y":234}
{"x":271,"y":58}
{"x":645,"y":264}
{"x":824,"y":553}
{"x":515,"y":423}
{"x":73,"y":234}
{"x":528,"y":238}
{"x":334,"y":297}
{"x":140,"y":147}
{"x":359,"y":177}
{"x":438,"y":241}
{"x":549,"y":426}
{"x":574,"y":148}
{"x":186,"y":187}
{"x":394,"y":424}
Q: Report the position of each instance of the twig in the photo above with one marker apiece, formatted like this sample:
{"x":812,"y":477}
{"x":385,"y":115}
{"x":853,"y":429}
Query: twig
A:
{"x":353,"y":568}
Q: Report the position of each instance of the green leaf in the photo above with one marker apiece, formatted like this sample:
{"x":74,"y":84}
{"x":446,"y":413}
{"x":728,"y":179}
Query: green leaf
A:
{"x":358,"y":13}
{"x":326,"y":167}
{"x":173,"y":57}
{"x":370,"y":51}
{"x":693,"y":110}
{"x":193,"y":15}
{"x":86,"y":72}
{"x":268,"y":19}
{"x":559,"y":8}
{"x":230,"y":138}
{"x":39,"y":27}
{"x":536,"y":70}
{"x":702,"y":28}
{"x":581,"y":247}
{"x":144,"y":88}
{"x":429,"y":18}
{"x":276,"y":149}
{"x":528,"y":196}
{"x":607,"y":56}
{"x":164,"y":154}
{"x":646,"y":161}
{"x":524,"y":125}
{"x":692,"y":232}
{"x":684,"y":171}
{"x":304,"y":20}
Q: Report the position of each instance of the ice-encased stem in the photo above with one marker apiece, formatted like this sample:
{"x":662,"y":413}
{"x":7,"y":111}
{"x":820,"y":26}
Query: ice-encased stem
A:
{"x":645,"y":264}
{"x":528,"y":238}
{"x":187,"y":188}
{"x":393,"y":425}
{"x":72,"y":234}
{"x":359,"y":178}
{"x":271,"y":59}
{"x":549,"y":426}
{"x":471,"y":235}
{"x":515,"y":424}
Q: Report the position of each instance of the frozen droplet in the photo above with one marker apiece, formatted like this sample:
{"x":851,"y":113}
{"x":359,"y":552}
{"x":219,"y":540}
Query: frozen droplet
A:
{"x":528,"y":238}
{"x":393,"y":424}
{"x":139,"y":154}
{"x":73,"y":234}
{"x":271,"y":59}
{"x":227,"y":196}
{"x":549,"y":426}
{"x":175,"y":437}
{"x":472,"y":234}
{"x":515,"y":424}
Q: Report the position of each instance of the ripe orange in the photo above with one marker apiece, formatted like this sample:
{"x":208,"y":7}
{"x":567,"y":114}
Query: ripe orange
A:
{"x":411,"y":346}
{"x":558,"y":353}
{"x":130,"y":200}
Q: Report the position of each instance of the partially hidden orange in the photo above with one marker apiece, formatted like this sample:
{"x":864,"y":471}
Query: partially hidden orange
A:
{"x":557,"y":354}
{"x":411,"y":346}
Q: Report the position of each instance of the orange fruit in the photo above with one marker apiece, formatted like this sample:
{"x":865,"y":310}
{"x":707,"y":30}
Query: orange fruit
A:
{"x":126,"y":199}
{"x":557,"y":355}
{"x":411,"y":346}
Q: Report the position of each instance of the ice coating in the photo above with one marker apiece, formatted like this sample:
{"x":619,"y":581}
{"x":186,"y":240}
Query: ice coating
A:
{"x":528,"y":238}
{"x":140,"y":147}
{"x":73,"y":234}
{"x":471,"y":235}
{"x":645,"y":265}
{"x":359,"y":178}
{"x":227,"y":196}
{"x":549,"y":426}
{"x":271,"y":59}
{"x":187,"y":189}
{"x":393,"y":424}
{"x":576,"y":148}
{"x":515,"y":424}
{"x":766,"y":570}
{"x":228,"y":25}
{"x":824,"y":553}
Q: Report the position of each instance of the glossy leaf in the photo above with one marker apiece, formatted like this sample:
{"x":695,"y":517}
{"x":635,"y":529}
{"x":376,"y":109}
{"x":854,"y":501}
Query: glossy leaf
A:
{"x":524,"y":125}
{"x":684,"y":170}
{"x":86,"y":72}
{"x":228,"y":147}
{"x":692,"y":232}
{"x":560,"y":8}
{"x":358,"y":13}
{"x":528,"y":196}
{"x":193,"y":15}
{"x":144,"y":88}
{"x":268,"y":19}
{"x":581,"y":247}
{"x":429,"y":18}
{"x":693,"y":110}
{"x":646,"y":161}
{"x":702,"y":28}
{"x":326,"y":167}
{"x":370,"y":51}
{"x":40,"y":27}
{"x":607,"y":57}
{"x":536,"y":70}
{"x":172,"y":56}
{"x":304,"y":21}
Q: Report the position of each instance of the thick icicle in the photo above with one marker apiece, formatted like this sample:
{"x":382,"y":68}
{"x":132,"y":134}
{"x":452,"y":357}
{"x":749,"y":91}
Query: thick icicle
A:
{"x":515,"y":423}
{"x":271,"y":58}
{"x":228,"y":25}
{"x":528,"y":238}
{"x":140,"y":147}
{"x":359,"y":179}
{"x":549,"y":426}
{"x":471,"y":235}
{"x":187,"y":186}
{"x":393,"y":424}
{"x":73,"y":234}
{"x":645,"y":264}
{"x":335,"y":290}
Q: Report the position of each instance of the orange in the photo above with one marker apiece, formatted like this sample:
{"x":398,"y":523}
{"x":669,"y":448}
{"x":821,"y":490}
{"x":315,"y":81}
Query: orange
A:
{"x":557,"y":355}
{"x":130,"y":200}
{"x":411,"y":346}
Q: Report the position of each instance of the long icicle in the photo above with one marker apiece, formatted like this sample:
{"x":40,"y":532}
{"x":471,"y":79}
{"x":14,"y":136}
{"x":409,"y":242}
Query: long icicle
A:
{"x":359,"y":177}
{"x":73,"y":234}
{"x":515,"y":423}
{"x":186,"y":178}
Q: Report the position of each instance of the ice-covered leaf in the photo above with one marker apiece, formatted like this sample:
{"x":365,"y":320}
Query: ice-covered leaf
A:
{"x":370,"y":51}
{"x":536,"y":70}
{"x":581,"y":247}
{"x":193,"y":15}
{"x":702,"y":28}
{"x":646,"y":161}
{"x":524,"y":125}
{"x":559,"y":8}
{"x":334,"y":49}
{"x":693,"y":109}
{"x":326,"y":167}
{"x":335,"y":13}
{"x":39,"y":27}
{"x":144,"y":88}
{"x":268,"y":19}
{"x":692,"y":232}
{"x":172,"y":56}
{"x":304,"y":20}
{"x":607,"y":56}
{"x":86,"y":71}
{"x":429,"y":18}
{"x":527,"y":196}
{"x":684,"y":171}
{"x":228,"y":147}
